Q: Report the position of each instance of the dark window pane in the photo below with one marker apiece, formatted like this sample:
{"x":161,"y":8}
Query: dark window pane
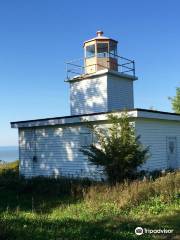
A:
{"x":113,"y":50}
{"x":90,"y":51}
{"x":102,"y":50}
{"x":85,"y":139}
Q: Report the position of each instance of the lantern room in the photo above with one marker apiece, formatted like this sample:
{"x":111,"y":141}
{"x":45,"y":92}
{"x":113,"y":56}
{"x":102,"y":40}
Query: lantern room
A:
{"x":100,"y":53}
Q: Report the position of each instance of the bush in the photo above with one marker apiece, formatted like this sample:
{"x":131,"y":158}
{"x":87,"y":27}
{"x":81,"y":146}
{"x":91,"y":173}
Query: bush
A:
{"x":118,"y":150}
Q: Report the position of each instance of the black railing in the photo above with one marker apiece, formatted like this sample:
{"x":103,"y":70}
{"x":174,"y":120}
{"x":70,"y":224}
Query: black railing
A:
{"x":76,"y":68}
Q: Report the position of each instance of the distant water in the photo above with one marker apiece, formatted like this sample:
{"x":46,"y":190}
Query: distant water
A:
{"x":9,"y":154}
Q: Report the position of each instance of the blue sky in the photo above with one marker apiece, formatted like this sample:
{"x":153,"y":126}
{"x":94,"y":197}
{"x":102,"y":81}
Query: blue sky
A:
{"x":38,"y":36}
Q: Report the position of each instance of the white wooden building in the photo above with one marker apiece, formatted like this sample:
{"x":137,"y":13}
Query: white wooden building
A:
{"x":51,"y":146}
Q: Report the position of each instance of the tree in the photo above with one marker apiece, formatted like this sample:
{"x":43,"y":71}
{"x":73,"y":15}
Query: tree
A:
{"x":175,"y":101}
{"x":117,"y":149}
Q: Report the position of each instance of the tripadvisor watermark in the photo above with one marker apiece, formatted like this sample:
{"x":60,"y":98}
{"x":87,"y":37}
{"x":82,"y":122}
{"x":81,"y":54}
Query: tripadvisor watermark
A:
{"x":139,"y":231}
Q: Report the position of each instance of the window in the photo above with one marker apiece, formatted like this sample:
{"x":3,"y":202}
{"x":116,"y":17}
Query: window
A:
{"x":95,"y":139}
{"x":102,"y":50}
{"x":113,"y":50}
{"x":90,"y":51}
{"x":85,"y":139}
{"x":172,"y":152}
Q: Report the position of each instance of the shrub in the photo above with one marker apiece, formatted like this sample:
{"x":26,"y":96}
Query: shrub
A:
{"x":118,"y":150}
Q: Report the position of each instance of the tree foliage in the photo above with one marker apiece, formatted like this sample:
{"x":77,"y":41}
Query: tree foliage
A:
{"x":117,"y":149}
{"x":175,"y":101}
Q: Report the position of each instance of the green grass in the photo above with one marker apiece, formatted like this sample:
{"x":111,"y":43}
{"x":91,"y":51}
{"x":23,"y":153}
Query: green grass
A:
{"x":66,"y":209}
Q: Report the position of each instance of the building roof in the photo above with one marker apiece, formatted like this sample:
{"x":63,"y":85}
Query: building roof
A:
{"x":100,"y":37}
{"x":94,"y":117}
{"x":103,"y":72}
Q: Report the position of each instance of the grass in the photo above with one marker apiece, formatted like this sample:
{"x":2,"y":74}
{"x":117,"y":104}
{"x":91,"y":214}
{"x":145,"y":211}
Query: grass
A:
{"x":67,"y":209}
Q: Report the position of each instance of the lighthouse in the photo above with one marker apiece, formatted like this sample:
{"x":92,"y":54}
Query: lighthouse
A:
{"x":100,"y":83}
{"x":103,"y":82}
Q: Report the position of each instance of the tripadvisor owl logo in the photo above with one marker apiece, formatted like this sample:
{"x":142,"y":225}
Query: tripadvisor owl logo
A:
{"x":139,"y":231}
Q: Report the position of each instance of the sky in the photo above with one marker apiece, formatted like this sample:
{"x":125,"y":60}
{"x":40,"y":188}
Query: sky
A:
{"x":37,"y":37}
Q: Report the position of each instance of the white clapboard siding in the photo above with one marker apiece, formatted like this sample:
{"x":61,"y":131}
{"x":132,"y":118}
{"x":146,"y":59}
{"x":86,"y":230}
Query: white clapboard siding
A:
{"x":120,"y":93}
{"x":88,"y":95}
{"x":58,"y":153}
{"x":154,"y":134}
{"x":57,"y":148}
{"x":101,"y":94}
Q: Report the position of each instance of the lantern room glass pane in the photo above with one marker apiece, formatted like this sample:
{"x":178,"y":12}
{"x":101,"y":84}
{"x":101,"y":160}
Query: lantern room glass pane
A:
{"x":102,"y":50}
{"x":90,"y":51}
{"x":113,"y":50}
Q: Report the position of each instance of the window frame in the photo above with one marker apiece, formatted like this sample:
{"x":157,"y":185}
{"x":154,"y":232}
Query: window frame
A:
{"x":106,"y":54}
{"x":114,"y":53}
{"x":82,"y":144}
{"x":93,"y":55}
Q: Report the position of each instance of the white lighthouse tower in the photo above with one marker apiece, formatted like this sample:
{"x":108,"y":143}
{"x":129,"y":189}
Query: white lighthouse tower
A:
{"x":100,"y":83}
{"x":103,"y":82}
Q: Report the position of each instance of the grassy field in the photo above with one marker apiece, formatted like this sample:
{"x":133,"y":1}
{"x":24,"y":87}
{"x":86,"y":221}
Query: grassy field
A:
{"x":66,"y":209}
